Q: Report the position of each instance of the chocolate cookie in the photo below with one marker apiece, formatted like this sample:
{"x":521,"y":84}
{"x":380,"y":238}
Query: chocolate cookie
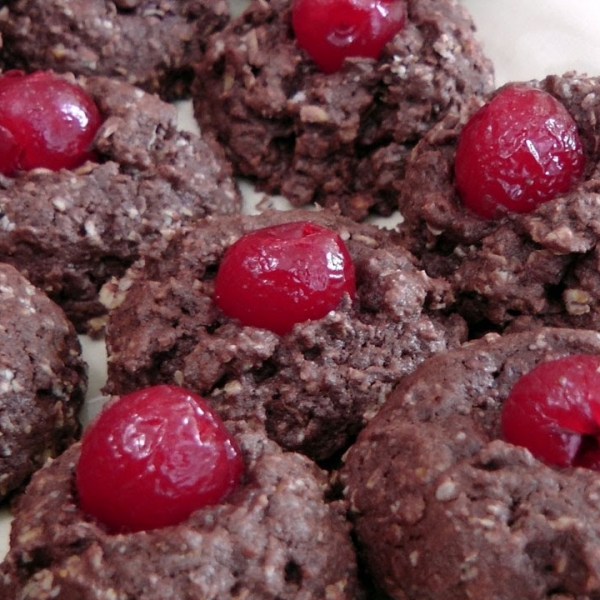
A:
{"x":446,"y":510}
{"x":275,"y":537}
{"x":70,"y":231}
{"x":144,"y":42}
{"x":338,"y":139}
{"x":542,"y":264}
{"x":314,"y":387}
{"x":42,"y":380}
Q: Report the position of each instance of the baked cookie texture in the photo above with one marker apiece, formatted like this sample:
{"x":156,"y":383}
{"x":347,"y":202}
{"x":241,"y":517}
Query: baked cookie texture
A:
{"x":43,"y":380}
{"x":541,"y":266}
{"x":276,"y":537}
{"x":90,"y":224}
{"x":340,"y":140}
{"x":313,"y":388}
{"x":148,"y":43}
{"x":446,"y":510}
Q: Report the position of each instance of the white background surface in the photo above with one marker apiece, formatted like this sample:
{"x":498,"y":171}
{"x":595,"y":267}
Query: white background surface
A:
{"x":529,"y":39}
{"x":526,"y":39}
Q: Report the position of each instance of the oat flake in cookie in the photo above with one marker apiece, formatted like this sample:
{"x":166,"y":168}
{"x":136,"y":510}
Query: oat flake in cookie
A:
{"x":42,"y":380}
{"x":70,"y":231}
{"x":339,"y":139}
{"x":314,"y":387}
{"x":444,"y":509}
{"x":275,"y":538}
{"x":540,"y":266}
{"x":148,"y":43}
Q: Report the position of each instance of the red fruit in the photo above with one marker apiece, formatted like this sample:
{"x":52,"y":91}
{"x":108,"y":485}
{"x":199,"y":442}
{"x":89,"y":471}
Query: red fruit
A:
{"x":517,"y":151}
{"x":332,"y":30}
{"x":45,"y":121}
{"x":278,"y":276}
{"x":153,"y":457}
{"x":554,"y":411}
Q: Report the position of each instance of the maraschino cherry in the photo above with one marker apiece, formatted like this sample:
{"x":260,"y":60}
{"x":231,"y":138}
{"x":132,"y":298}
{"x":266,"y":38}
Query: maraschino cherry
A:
{"x":278,"y":276}
{"x":517,"y":151}
{"x":332,"y":30}
{"x":153,"y":457}
{"x":554,"y":411}
{"x":45,"y":121}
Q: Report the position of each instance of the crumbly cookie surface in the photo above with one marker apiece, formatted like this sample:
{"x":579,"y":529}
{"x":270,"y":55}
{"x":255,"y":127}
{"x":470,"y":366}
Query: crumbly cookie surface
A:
{"x":148,"y":43}
{"x":70,"y":231}
{"x":312,"y":388}
{"x":275,"y":537}
{"x":342,"y":139}
{"x":446,"y":510}
{"x":42,"y":380}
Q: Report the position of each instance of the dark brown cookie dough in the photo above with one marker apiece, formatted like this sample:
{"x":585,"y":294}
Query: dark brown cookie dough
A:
{"x":313,"y":388}
{"x":42,"y":380}
{"x":275,"y":538}
{"x":543,"y":264}
{"x":148,"y":43}
{"x":340,"y":140}
{"x":70,"y":231}
{"x":446,"y":510}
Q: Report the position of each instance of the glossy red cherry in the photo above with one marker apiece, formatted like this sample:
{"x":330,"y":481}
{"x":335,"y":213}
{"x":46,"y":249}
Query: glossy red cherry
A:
{"x":517,"y":151}
{"x":332,"y":30}
{"x":153,"y":457}
{"x":554,"y":411}
{"x":278,"y":276}
{"x":45,"y":121}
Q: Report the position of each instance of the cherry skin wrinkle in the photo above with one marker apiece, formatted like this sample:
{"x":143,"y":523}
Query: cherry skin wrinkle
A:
{"x":520,"y":149}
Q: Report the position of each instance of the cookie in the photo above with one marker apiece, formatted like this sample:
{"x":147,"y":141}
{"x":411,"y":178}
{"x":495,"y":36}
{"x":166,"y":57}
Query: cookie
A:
{"x":71,"y":231}
{"x":338,"y":139}
{"x":42,"y":380}
{"x":445,"y":509}
{"x":539,"y":265}
{"x":275,"y":537}
{"x":314,"y":387}
{"x":146,"y":43}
